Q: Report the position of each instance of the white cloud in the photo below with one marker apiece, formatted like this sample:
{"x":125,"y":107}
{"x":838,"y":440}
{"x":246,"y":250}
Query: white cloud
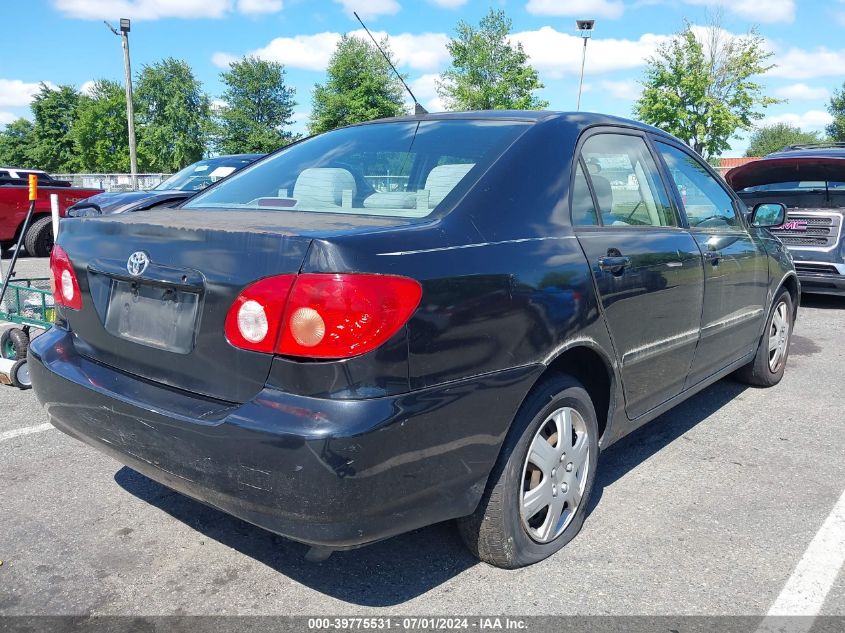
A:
{"x":425,"y":89}
{"x":802,"y":92}
{"x":16,"y":93}
{"x":625,"y":90}
{"x":450,"y":4}
{"x":143,"y":9}
{"x":576,"y":8}
{"x":370,"y":8}
{"x":7,"y":117}
{"x":159,"y":9}
{"x":223,"y":60}
{"x":798,"y":63}
{"x":558,"y":54}
{"x":757,"y":10}
{"x":423,"y":51}
{"x":255,"y":7}
{"x":87,"y":87}
{"x":810,"y":120}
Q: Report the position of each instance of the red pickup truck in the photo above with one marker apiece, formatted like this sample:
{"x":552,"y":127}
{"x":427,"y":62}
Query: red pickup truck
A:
{"x":14,"y":202}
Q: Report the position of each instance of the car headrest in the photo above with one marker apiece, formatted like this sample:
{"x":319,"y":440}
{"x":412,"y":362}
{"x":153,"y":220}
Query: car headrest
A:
{"x":441,"y":180}
{"x":323,"y":186}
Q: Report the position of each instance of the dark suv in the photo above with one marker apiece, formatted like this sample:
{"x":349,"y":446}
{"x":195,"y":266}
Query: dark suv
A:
{"x":810,"y":181}
{"x":413,"y":320}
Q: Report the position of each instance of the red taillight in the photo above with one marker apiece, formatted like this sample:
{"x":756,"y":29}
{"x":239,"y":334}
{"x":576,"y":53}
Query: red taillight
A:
{"x":63,"y":280}
{"x":322,"y":315}
{"x":255,"y":318}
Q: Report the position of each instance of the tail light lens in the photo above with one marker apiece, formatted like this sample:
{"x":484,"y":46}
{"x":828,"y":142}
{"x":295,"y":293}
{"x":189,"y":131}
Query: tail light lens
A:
{"x":255,"y":318}
{"x":317,"y":315}
{"x":63,"y":280}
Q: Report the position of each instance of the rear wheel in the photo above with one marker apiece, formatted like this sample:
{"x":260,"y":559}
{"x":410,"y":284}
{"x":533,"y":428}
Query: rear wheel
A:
{"x":39,"y":238}
{"x":538,"y":492}
{"x":766,"y":370}
{"x":13,"y":344}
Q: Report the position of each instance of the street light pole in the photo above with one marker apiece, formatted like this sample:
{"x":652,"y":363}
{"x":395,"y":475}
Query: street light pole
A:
{"x":586,"y":28}
{"x":130,"y":110}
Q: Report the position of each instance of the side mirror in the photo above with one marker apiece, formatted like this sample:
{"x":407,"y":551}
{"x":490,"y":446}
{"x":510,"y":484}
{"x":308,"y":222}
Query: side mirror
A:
{"x":768,"y":214}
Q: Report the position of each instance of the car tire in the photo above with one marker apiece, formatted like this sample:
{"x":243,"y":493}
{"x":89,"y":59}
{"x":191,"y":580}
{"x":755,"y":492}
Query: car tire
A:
{"x":502,"y":532}
{"x":19,"y":375}
{"x":39,"y":238}
{"x":769,"y":363}
{"x":13,"y":344}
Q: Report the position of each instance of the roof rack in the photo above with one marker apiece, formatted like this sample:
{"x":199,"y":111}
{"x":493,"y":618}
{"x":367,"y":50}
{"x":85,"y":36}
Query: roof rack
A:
{"x":812,"y":146}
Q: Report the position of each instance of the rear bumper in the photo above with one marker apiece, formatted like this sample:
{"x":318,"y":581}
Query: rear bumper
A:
{"x":324,"y":472}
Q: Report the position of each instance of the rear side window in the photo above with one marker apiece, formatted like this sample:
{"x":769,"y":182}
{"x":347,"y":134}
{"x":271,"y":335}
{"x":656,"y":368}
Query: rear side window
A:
{"x":626,"y":182}
{"x":706,"y":202}
{"x":400,"y":169}
{"x":583,"y":208}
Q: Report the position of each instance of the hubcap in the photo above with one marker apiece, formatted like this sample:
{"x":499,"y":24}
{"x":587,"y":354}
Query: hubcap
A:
{"x":778,"y":336}
{"x":9,"y":350}
{"x":551,"y":495}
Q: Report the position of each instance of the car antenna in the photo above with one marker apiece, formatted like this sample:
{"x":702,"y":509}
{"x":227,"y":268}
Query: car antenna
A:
{"x":418,"y":109}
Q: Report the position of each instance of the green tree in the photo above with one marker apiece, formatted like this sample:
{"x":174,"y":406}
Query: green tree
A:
{"x":54,"y":111}
{"x":173,"y":116}
{"x":360,"y":86}
{"x":15,"y":144}
{"x":772,"y":138}
{"x":704,"y":92}
{"x":488,"y":72}
{"x":258,"y":106}
{"x":100,"y":131}
{"x":836,"y":107}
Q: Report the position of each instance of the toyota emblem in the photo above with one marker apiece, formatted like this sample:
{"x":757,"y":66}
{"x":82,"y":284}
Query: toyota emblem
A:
{"x":137,"y":263}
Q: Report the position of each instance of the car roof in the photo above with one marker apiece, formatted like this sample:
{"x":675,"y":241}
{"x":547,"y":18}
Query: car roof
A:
{"x":579,"y":119}
{"x":21,"y":169}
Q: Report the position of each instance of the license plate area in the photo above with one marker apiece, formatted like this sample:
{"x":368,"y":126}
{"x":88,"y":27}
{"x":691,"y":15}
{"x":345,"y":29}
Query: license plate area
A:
{"x":153,"y":315}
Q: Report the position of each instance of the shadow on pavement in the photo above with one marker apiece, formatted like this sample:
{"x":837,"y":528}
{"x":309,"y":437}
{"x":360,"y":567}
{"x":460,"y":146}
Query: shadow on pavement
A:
{"x":637,"y":447}
{"x":824,"y":302}
{"x":396,"y":570}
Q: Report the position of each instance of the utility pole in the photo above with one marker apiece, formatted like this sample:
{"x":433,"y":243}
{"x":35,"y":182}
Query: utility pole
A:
{"x":130,"y":110}
{"x":586,"y":28}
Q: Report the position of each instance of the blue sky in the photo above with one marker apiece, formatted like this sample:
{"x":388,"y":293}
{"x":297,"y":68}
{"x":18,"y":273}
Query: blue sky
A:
{"x":65,"y":42}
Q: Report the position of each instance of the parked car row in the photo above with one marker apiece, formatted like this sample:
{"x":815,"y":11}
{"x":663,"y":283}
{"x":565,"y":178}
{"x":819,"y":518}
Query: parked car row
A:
{"x":80,"y":201}
{"x":339,"y":362}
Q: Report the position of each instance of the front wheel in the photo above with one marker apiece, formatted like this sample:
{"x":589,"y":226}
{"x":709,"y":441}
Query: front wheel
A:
{"x":537,"y":495}
{"x":769,"y":363}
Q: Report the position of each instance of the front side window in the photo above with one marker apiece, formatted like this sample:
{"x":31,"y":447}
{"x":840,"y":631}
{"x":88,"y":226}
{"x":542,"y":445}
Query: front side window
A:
{"x":706,"y":202}
{"x":398,"y":169}
{"x":626,"y":182}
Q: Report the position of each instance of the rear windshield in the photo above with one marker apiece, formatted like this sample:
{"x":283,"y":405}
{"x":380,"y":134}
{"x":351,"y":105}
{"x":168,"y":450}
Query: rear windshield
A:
{"x":397,"y":169}
{"x":205,"y":172}
{"x":797,"y":186}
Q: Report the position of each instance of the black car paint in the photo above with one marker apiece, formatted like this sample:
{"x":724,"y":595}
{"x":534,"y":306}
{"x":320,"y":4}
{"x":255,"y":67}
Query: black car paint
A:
{"x":341,"y":453}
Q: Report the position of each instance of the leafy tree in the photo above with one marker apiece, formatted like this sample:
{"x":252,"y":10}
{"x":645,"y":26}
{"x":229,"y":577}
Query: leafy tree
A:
{"x":360,"y":86}
{"x":772,"y":138}
{"x":258,"y":106}
{"x":55,"y":111}
{"x":704,"y":91}
{"x":102,"y":140}
{"x":15,"y":144}
{"x":836,"y":107}
{"x":488,"y":72}
{"x":173,"y":116}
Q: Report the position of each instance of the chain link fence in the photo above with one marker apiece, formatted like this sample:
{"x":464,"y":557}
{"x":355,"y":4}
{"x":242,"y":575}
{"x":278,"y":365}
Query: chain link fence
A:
{"x":113,"y":182}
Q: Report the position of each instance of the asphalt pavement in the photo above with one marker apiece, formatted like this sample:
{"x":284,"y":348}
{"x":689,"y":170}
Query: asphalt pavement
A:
{"x":707,"y":510}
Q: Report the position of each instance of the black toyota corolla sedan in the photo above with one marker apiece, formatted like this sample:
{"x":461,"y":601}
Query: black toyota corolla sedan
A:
{"x":413,"y":320}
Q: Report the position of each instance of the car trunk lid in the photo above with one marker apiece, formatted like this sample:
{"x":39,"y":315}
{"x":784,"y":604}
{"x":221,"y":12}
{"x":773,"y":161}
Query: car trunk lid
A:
{"x":157,"y":286}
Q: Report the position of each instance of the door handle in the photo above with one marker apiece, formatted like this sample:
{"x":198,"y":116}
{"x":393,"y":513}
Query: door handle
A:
{"x":615,"y":265}
{"x":713,"y":257}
